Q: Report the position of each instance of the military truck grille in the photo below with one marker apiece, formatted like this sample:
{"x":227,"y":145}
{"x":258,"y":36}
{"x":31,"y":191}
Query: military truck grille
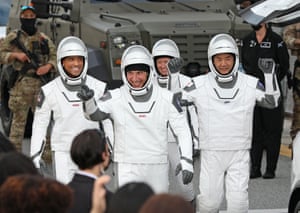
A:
{"x":193,"y":48}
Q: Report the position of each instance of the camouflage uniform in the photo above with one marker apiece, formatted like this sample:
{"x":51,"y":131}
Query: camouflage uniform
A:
{"x":291,"y":33}
{"x":23,"y":94}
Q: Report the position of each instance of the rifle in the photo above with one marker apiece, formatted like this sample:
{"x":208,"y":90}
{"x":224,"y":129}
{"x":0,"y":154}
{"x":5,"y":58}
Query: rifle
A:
{"x":33,"y":64}
{"x":29,"y":54}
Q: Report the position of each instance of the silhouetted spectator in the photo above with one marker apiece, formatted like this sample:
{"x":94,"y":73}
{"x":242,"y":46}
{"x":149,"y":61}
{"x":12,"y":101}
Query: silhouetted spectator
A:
{"x":5,"y":144}
{"x":32,"y":194}
{"x":130,"y":197}
{"x":15,"y":163}
{"x":166,"y":203}
{"x":89,"y":151}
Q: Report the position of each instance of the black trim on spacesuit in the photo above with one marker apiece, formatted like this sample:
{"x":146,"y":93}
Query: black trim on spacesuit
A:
{"x":150,"y":109}
{"x":177,"y":101}
{"x":106,"y":96}
{"x":224,"y":98}
{"x":190,"y":87}
{"x":98,"y":115}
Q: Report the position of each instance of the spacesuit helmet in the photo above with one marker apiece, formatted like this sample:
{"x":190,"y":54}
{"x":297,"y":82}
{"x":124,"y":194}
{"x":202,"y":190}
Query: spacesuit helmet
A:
{"x":137,"y":56}
{"x":72,"y":46}
{"x":223,"y":43}
{"x":164,"y":48}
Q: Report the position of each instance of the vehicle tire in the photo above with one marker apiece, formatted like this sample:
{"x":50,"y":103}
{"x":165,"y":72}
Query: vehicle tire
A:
{"x":297,"y":208}
{"x":5,"y":113}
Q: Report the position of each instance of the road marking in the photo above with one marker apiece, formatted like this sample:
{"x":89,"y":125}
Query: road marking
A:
{"x":264,"y":211}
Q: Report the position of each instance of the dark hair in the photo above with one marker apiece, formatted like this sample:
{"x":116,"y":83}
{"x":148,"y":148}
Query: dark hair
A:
{"x":87,"y":148}
{"x":15,"y":163}
{"x":130,"y":197}
{"x":139,"y":67}
{"x":166,"y":203}
{"x":193,"y":69}
{"x":33,"y":193}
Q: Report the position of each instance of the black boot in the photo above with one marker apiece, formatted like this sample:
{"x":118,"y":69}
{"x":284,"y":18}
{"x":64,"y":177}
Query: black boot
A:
{"x":255,"y":173}
{"x":269,"y":175}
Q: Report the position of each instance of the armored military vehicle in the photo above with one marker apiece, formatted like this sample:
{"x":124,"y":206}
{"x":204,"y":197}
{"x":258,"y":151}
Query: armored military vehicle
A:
{"x":109,"y":27}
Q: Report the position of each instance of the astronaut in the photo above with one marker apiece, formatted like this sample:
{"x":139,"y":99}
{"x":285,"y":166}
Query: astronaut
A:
{"x":225,"y":99}
{"x":59,"y":98}
{"x":140,"y":111}
{"x":162,"y":51}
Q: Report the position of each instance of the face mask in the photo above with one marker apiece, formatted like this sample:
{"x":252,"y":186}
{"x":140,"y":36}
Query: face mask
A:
{"x":256,"y":27}
{"x":28,"y":25}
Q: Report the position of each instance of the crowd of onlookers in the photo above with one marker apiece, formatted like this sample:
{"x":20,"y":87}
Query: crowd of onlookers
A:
{"x":24,"y":190}
{"x":81,"y":153}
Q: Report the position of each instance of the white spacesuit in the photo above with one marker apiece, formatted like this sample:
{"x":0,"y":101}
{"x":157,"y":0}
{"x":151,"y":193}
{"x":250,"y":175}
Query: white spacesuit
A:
{"x":168,"y":48}
{"x":59,"y":97}
{"x":140,"y":117}
{"x":225,"y":104}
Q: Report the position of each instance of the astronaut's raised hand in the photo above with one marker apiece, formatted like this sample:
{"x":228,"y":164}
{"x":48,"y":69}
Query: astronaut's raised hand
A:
{"x":187,"y":170}
{"x":175,"y":65}
{"x":267,"y":65}
{"x":89,"y":104}
{"x":85,"y":93}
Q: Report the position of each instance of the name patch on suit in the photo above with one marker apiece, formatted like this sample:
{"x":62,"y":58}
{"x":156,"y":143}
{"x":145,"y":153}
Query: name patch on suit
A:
{"x":265,"y":44}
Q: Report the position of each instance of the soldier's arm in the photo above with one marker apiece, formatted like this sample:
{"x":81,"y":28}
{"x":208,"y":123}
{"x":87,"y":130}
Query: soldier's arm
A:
{"x":9,"y":52}
{"x":52,"y":53}
{"x":290,"y":36}
{"x":50,"y":64}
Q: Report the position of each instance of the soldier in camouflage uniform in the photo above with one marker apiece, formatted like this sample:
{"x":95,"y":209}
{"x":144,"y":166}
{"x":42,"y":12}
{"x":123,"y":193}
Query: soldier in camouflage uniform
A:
{"x":23,"y":94}
{"x":291,"y":36}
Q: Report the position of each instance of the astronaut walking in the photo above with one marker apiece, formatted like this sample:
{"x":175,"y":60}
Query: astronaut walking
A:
{"x":140,"y":111}
{"x":60,"y":98}
{"x":164,"y":50}
{"x":225,"y":99}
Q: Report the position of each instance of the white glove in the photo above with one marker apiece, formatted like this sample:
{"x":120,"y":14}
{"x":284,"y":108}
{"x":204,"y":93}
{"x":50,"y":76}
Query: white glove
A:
{"x":36,"y":160}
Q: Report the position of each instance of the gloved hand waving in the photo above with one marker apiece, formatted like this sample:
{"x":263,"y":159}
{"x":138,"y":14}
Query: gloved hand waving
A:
{"x":175,"y":64}
{"x":85,"y":93}
{"x":267,"y":65}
